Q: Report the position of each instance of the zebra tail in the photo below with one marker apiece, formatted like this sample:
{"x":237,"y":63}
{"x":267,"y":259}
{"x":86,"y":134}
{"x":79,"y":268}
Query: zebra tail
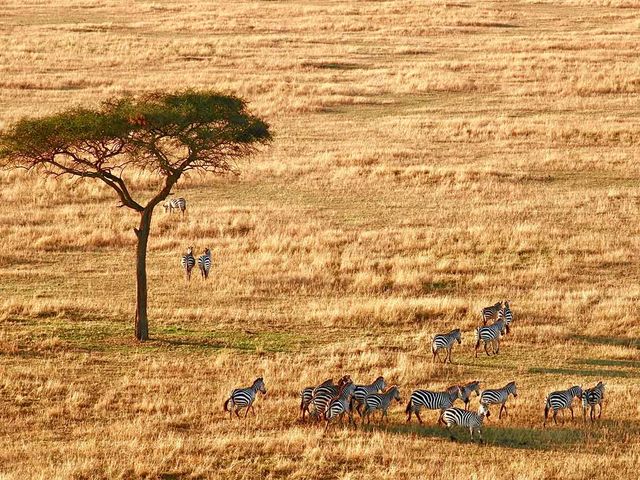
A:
{"x":226,"y":404}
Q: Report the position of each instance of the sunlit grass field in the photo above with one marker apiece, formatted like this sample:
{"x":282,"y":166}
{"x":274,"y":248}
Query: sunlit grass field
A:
{"x":430,"y":158}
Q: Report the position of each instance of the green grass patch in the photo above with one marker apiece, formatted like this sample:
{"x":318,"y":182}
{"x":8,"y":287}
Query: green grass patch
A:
{"x":584,"y":372}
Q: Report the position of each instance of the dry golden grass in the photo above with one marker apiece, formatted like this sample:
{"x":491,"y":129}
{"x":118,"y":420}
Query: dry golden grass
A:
{"x":430,"y":158}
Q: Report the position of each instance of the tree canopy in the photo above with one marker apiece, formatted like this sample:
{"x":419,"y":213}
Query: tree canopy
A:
{"x":167,"y":134}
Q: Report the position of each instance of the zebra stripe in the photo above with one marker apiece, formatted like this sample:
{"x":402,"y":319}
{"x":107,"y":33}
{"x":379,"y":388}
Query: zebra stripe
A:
{"x":431,"y":400}
{"x":361,"y":391}
{"x":188,"y":261}
{"x":467,"y":390}
{"x":324,"y":393}
{"x":175,"y":204}
{"x":590,"y":398}
{"x":464,"y":418}
{"x":204,"y":263}
{"x":445,"y":341}
{"x":380,"y":401}
{"x":558,"y":401}
{"x":244,"y":397}
{"x":491,"y":335}
{"x":506,"y":315}
{"x":306,"y":395}
{"x":340,"y":405}
{"x":498,"y":396}
{"x":491,"y":313}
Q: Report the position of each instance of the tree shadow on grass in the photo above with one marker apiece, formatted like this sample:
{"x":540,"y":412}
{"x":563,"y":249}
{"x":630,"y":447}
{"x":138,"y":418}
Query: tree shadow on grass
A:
{"x":526,"y":438}
{"x":606,"y":340}
{"x":585,"y":372}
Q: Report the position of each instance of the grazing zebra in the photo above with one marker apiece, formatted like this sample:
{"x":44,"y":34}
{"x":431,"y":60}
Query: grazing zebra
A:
{"x":506,"y":314}
{"x":445,"y":341}
{"x":306,"y":395}
{"x":432,"y":401}
{"x":590,"y":398}
{"x":467,"y":390}
{"x":188,"y":261}
{"x":323,"y":394}
{"x":380,"y":401}
{"x":491,"y":335}
{"x":558,"y":401}
{"x":244,"y":397}
{"x":491,"y":313}
{"x":361,"y":391}
{"x":498,"y":396}
{"x":340,"y":404}
{"x":204,"y":263}
{"x":175,"y":204}
{"x":464,"y":418}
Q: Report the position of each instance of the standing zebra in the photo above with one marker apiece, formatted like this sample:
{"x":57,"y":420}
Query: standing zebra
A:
{"x":558,"y":401}
{"x":491,"y":335}
{"x":340,"y":405}
{"x":464,"y":418}
{"x":188,"y":261}
{"x":432,"y":401}
{"x":361,"y":391}
{"x":204,"y":263}
{"x":445,"y":341}
{"x":380,"y":401}
{"x":506,"y":314}
{"x":498,"y":396}
{"x":306,"y":395}
{"x":323,"y":394}
{"x":244,"y":397}
{"x":491,"y":313}
{"x":590,"y":398}
{"x":175,"y":204}
{"x":467,"y":390}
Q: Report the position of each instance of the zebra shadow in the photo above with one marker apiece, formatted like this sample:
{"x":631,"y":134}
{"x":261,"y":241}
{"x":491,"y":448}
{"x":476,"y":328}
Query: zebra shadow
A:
{"x":526,"y":438}
{"x":606,"y":340}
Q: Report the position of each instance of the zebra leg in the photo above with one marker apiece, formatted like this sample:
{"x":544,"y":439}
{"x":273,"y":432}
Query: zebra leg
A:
{"x":440,"y":420}
{"x":600,"y":414}
{"x":418,"y":416}
{"x":500,"y":414}
{"x":592,"y":412}
{"x":584,"y":414}
{"x":451,"y":433}
{"x":485,"y":349}
{"x":236,"y":411}
{"x":571,"y":409}
{"x":477,"y":346}
{"x":246,"y":412}
{"x":253,"y":410}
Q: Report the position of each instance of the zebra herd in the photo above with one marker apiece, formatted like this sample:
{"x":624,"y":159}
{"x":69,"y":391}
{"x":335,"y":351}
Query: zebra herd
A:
{"x":188,"y":261}
{"x":330,"y":401}
{"x":489,"y":335}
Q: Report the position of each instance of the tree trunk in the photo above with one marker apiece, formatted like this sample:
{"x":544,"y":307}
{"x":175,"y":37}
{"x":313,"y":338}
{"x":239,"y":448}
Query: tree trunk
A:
{"x":142,"y":322}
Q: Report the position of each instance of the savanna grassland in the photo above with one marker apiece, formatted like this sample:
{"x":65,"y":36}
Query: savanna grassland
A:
{"x":430,"y":158}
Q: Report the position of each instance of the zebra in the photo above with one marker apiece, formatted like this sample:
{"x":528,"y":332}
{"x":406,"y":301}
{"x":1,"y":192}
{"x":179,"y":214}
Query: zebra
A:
{"x":175,"y":204}
{"x":361,"y":391}
{"x":445,"y":341}
{"x":506,"y":314}
{"x":491,"y":334}
{"x":204,"y":263}
{"x":340,"y":404}
{"x":498,"y":396}
{"x":432,"y":401}
{"x":464,"y":418}
{"x":323,"y":394}
{"x":466,"y":391}
{"x":590,"y":398}
{"x":306,"y":395}
{"x":244,"y":397}
{"x":558,"y":401}
{"x":380,"y":401}
{"x":491,"y":313}
{"x":188,"y":261}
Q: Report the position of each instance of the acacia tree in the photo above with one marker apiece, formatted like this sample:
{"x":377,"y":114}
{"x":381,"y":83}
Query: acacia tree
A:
{"x":166,"y":135}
